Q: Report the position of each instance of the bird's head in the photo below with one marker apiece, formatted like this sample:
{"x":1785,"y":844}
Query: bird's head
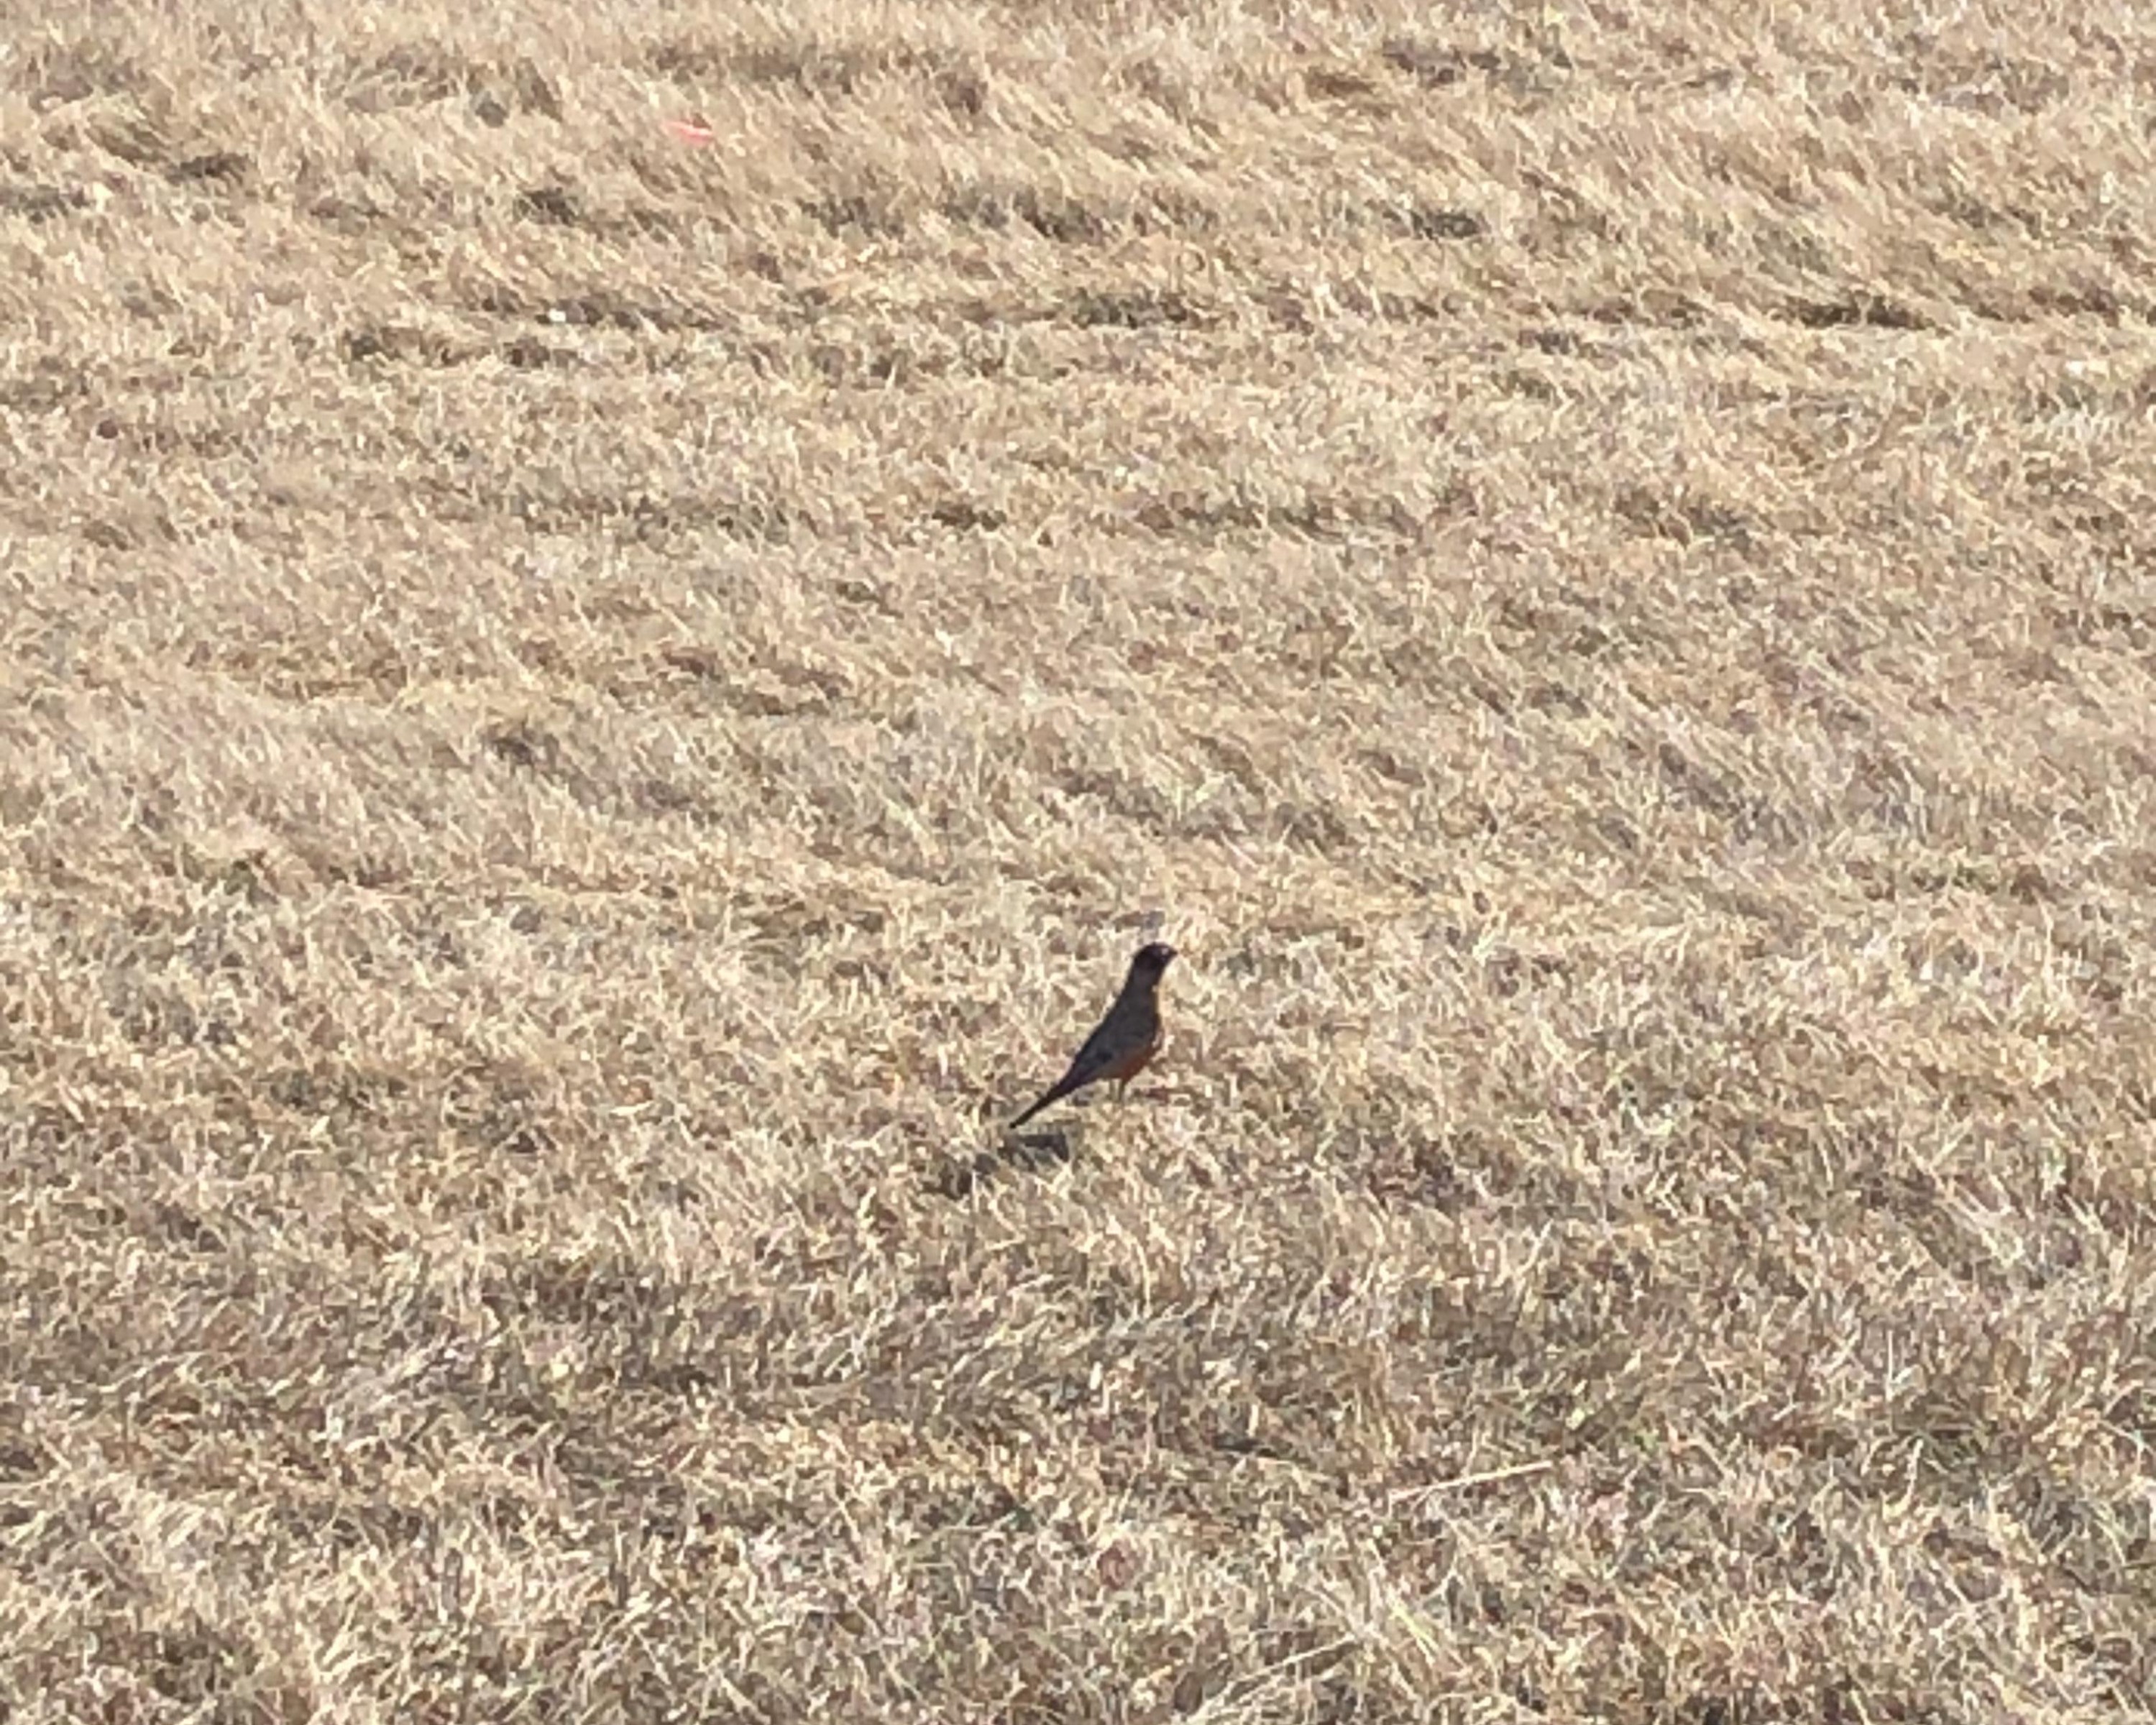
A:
{"x":1152,"y":959}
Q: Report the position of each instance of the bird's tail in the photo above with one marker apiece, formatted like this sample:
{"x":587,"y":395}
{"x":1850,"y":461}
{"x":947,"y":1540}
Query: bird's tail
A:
{"x":1055,"y":1094}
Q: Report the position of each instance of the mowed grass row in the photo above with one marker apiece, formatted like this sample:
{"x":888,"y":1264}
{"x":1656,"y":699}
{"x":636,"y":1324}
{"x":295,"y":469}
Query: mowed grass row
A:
{"x":612,"y":627}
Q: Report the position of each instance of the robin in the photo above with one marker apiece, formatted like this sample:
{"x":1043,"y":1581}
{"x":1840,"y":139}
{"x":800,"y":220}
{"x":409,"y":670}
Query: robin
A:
{"x":1123,"y":1042}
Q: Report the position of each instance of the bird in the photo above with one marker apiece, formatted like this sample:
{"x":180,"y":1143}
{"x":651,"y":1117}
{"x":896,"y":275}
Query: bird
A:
{"x":1123,"y":1042}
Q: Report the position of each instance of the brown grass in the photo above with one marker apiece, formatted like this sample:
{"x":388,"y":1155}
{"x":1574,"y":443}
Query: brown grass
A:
{"x":583,"y":714}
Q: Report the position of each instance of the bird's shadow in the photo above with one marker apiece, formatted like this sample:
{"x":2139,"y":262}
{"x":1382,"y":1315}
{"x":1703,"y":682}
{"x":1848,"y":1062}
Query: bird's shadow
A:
{"x":1028,"y":1153}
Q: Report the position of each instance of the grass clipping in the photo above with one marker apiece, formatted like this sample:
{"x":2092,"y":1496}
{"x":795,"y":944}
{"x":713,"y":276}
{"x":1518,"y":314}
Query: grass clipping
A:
{"x":588,"y":705}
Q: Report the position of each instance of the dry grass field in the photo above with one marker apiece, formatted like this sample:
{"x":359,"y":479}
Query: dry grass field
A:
{"x":613,"y":622}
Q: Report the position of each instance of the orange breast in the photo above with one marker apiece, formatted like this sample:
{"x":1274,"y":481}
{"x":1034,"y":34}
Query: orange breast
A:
{"x":1126,"y":1066}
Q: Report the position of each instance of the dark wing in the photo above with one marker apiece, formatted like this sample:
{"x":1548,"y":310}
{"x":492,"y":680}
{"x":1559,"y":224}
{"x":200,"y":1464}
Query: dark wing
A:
{"x":1094,"y":1058}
